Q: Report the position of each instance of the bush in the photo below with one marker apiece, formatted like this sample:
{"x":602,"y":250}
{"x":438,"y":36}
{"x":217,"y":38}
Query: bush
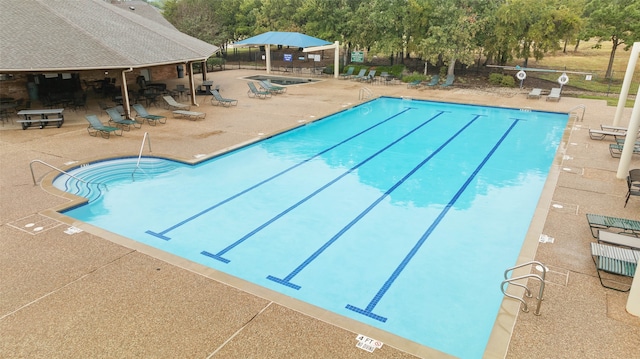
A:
{"x":413,"y":77}
{"x":502,"y":80}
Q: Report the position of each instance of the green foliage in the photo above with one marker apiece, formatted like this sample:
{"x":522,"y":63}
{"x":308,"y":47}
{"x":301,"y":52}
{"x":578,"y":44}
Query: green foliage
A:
{"x":497,"y":79}
{"x":414,"y":77}
{"x":395,"y":70}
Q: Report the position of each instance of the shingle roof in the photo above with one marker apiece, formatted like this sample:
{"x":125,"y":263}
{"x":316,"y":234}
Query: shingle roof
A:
{"x":55,"y":35}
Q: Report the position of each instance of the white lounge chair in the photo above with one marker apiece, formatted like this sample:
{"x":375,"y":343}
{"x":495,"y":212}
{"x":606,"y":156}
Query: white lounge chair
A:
{"x":535,"y":93}
{"x":554,"y":95}
{"x":171,"y":102}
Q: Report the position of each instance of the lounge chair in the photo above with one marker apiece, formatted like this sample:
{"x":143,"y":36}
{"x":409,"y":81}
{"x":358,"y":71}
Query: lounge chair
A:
{"x":347,"y":74}
{"x":554,"y":94}
{"x":173,"y":105}
{"x":535,"y":93}
{"x":121,"y":121}
{"x":599,"y":134}
{"x":449,"y":81}
{"x":254,"y":92}
{"x":268,"y":86}
{"x":435,"y":79}
{"x":95,"y":127}
{"x":368,"y":78}
{"x":413,"y":84}
{"x":615,"y":260}
{"x":619,"y":240}
{"x":615,"y":149}
{"x":360,"y":75}
{"x":142,"y":113}
{"x":598,"y":222}
{"x":217,"y":99}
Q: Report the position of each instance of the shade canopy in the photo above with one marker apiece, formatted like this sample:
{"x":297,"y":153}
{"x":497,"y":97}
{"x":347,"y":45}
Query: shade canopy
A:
{"x":63,"y":35}
{"x":282,"y":38}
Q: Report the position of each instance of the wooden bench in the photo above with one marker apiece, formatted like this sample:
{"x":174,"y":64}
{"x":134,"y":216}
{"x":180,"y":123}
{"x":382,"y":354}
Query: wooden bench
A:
{"x":192,"y":115}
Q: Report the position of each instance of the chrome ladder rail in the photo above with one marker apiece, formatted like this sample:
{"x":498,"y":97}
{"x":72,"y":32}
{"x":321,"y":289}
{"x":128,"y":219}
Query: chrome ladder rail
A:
{"x":578,"y":107}
{"x":33,"y":176}
{"x":146,"y":138}
{"x":365,"y":94}
{"x":512,"y":281}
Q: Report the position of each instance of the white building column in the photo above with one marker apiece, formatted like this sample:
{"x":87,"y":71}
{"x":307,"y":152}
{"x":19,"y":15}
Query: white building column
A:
{"x":624,"y":91}
{"x":267,"y":48}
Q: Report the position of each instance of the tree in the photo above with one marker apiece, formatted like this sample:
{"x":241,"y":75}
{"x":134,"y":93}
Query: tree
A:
{"x":450,"y":35}
{"x":617,"y":20}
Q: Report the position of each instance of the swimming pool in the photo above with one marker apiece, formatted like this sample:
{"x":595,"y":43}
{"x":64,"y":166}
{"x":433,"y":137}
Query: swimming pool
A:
{"x":400,"y":214}
{"x":282,"y":80}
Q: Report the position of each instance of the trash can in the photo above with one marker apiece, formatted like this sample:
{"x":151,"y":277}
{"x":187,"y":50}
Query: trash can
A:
{"x":180,"y":69}
{"x":32,"y":89}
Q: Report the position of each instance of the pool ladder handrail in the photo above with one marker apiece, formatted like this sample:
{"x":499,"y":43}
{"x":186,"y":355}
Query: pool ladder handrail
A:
{"x":365,"y":94}
{"x":33,"y":176}
{"x":528,"y":294}
{"x":578,"y":107}
{"x":146,"y":138}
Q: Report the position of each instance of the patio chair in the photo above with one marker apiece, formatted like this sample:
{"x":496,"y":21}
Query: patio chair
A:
{"x":554,"y":95}
{"x":633,"y":183}
{"x":268,"y":86}
{"x":448,"y":81}
{"x":615,"y":149}
{"x":142,"y":113}
{"x":620,"y":240}
{"x":614,"y":260}
{"x":173,"y":105}
{"x":434,"y":81}
{"x":413,"y":84}
{"x":121,"y":121}
{"x":360,"y":75}
{"x":217,"y":99}
{"x":95,"y":127}
{"x":254,"y":92}
{"x":535,"y":94}
{"x":604,"y":131}
{"x":598,"y":222}
{"x":369,"y":78}
{"x":347,"y":74}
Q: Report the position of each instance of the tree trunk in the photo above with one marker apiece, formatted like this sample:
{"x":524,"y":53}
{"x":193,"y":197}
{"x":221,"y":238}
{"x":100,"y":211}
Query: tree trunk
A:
{"x":612,"y":55}
{"x":452,"y":67}
{"x":564,"y":49}
{"x":575,"y":49}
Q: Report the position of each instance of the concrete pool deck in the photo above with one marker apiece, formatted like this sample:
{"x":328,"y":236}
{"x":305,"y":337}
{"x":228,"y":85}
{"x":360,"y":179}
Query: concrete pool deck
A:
{"x":93,"y":294}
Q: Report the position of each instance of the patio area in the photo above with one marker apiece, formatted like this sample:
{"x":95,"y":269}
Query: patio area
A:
{"x":89,"y":293}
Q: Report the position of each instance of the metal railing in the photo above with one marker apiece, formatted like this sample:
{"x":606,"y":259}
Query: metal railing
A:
{"x":33,"y":176}
{"x":145,"y":138}
{"x":582,"y":107}
{"x":365,"y":94}
{"x":512,"y":281}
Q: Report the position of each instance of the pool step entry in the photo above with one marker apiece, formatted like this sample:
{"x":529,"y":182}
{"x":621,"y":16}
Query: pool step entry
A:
{"x":513,"y":281}
{"x":365,"y":94}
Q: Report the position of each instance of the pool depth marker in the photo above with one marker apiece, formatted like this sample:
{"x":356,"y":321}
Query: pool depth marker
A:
{"x":219,"y":255}
{"x":161,"y":234}
{"x":286,"y":280}
{"x":368,"y":311}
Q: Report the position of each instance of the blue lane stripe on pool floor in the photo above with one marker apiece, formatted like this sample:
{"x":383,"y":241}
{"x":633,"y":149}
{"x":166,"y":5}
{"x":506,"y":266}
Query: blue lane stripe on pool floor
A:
{"x":162,"y":233}
{"x":219,"y":255}
{"x":287,"y":280}
{"x":368,"y":311}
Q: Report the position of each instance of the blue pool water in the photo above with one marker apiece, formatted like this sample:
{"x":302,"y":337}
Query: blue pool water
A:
{"x":400,"y":214}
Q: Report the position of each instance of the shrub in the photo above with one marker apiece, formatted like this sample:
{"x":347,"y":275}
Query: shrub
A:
{"x":502,"y":80}
{"x":413,"y":77}
{"x":495,"y":79}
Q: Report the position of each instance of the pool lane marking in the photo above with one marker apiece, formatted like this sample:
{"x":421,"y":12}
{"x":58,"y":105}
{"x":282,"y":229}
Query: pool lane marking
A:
{"x":161,"y":234}
{"x":219,"y":255}
{"x":368,"y":311}
{"x":287,"y":280}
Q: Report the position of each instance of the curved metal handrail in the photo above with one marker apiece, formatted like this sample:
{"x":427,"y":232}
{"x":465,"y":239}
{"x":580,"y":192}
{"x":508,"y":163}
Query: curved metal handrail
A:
{"x":581,"y":106}
{"x":528,"y":294}
{"x":146,"y":138}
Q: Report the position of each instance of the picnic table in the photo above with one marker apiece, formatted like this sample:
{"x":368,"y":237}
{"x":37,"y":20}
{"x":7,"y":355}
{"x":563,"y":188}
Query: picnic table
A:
{"x":42,"y":117}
